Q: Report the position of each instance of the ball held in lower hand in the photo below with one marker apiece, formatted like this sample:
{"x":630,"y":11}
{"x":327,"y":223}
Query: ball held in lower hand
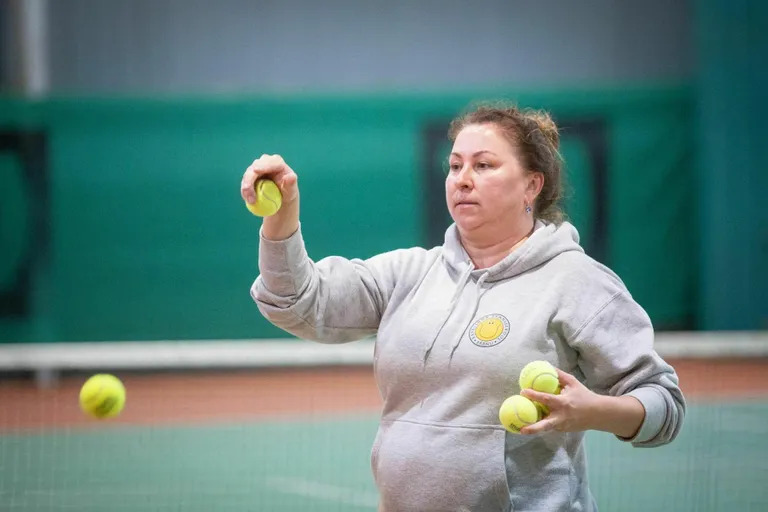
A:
{"x":517,"y":412}
{"x":268,"y":198}
{"x":540,"y":376}
{"x":102,"y":396}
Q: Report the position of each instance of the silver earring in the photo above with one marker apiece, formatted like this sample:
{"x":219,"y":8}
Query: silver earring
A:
{"x":528,"y":208}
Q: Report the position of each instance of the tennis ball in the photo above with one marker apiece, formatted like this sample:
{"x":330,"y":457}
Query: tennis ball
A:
{"x":543,"y":409}
{"x":268,"y":198}
{"x":102,"y":396}
{"x":540,"y":376}
{"x":516,"y":412}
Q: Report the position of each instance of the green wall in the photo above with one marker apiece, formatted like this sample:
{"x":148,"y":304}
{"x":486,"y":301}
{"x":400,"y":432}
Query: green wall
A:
{"x":150,"y":239}
{"x":731,"y":90}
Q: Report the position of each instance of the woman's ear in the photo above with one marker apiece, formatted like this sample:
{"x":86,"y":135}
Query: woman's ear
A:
{"x":535,"y":184}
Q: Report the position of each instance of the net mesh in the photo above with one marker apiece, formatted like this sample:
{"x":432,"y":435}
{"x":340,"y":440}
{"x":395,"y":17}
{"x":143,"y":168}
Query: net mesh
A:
{"x":296,"y":434}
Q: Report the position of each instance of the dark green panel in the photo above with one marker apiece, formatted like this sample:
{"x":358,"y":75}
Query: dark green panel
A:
{"x":578,"y":195}
{"x":652,"y":194}
{"x":14,"y":218}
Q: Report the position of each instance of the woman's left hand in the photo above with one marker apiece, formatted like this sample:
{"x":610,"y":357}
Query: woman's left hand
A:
{"x":573,"y":410}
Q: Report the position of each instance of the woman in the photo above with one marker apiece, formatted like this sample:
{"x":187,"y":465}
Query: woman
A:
{"x":455,"y":324}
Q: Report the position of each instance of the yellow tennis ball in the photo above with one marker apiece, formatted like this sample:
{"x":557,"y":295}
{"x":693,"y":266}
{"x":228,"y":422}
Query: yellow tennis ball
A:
{"x":516,"y":412}
{"x":540,"y":376}
{"x":102,"y":396}
{"x":543,"y":409}
{"x":268,"y":198}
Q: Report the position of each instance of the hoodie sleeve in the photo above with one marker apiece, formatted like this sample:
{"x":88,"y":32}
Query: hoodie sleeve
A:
{"x":616,"y":356}
{"x":334,"y":300}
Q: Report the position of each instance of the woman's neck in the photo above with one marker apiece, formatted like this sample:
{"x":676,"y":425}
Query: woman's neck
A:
{"x":486,"y":251}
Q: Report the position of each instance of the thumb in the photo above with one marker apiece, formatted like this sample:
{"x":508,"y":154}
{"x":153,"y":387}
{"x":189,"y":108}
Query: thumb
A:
{"x":566,"y":379}
{"x":289,"y":186}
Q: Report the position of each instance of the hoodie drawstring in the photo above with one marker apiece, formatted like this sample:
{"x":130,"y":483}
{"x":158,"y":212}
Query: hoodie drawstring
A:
{"x":480,"y":291}
{"x":459,"y":288}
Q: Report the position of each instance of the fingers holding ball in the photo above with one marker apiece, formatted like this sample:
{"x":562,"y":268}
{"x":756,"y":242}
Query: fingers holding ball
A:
{"x":539,"y":382}
{"x":267,"y":184}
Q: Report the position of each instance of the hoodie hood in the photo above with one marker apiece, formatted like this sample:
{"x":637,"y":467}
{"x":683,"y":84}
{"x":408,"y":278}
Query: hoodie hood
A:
{"x":546,"y":242}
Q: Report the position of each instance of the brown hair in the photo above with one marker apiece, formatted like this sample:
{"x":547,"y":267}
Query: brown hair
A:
{"x":535,"y":135}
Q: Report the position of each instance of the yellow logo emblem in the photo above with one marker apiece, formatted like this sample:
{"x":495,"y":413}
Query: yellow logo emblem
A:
{"x":490,"y":330}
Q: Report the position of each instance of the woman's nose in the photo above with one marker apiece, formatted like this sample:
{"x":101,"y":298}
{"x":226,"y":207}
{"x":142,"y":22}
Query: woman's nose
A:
{"x":464,"y":179}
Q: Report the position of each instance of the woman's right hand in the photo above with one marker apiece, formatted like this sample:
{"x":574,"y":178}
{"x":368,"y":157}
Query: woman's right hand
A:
{"x":286,"y":221}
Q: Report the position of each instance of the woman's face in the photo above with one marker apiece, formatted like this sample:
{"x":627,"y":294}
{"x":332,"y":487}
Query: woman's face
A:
{"x":487,"y":188}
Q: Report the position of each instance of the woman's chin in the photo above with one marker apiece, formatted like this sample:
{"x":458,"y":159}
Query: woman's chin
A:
{"x":467,"y":222}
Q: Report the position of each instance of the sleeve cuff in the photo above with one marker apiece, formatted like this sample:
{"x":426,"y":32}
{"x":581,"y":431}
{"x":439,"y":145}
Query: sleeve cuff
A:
{"x":655,"y":408}
{"x":283,"y":263}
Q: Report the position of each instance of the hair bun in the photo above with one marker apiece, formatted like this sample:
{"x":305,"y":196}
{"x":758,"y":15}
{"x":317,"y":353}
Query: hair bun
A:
{"x":546,"y":125}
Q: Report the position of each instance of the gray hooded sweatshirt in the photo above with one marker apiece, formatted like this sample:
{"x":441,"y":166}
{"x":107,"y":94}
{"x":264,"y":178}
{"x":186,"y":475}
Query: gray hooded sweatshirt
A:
{"x":450,"y":343}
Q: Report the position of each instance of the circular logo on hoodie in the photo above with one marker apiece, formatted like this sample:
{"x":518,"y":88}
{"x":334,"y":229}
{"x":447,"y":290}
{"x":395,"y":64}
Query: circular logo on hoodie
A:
{"x":490,"y":330}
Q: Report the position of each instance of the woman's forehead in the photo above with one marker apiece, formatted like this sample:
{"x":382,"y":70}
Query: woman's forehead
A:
{"x":480,"y":137}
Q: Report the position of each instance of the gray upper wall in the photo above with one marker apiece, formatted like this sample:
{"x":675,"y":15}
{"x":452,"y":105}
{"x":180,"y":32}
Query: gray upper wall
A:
{"x":201,"y":46}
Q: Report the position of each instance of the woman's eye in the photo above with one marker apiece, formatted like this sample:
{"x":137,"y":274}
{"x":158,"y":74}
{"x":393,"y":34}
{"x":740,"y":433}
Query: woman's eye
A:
{"x":481,"y":166}
{"x":454,"y":167}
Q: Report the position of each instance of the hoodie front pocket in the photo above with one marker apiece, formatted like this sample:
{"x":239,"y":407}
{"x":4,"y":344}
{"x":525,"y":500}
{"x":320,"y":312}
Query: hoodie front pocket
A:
{"x":428,"y":467}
